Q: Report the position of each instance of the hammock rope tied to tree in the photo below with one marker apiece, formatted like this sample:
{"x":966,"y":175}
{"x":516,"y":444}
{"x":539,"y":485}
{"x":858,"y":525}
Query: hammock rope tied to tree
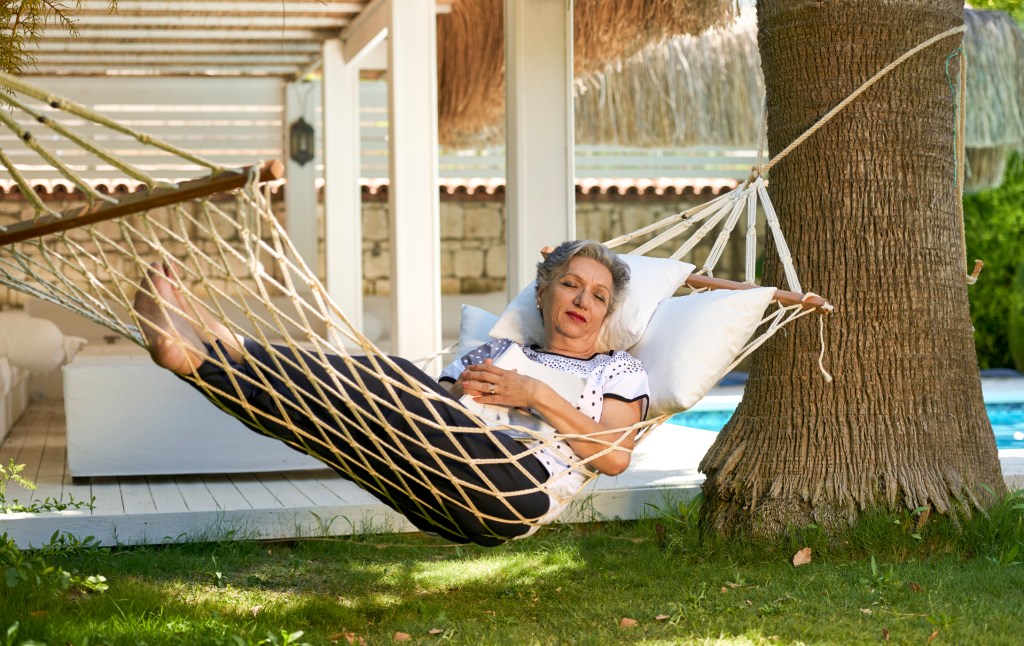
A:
{"x":236,"y":266}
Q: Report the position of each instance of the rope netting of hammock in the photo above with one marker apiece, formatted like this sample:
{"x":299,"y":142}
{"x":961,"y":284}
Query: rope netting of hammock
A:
{"x":244,"y":277}
{"x":233,"y":264}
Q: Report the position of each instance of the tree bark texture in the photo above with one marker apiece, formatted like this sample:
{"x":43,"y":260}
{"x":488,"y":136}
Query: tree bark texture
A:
{"x":870,"y":208}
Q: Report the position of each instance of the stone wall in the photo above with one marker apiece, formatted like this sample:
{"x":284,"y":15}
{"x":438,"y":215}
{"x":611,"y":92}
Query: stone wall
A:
{"x":473,"y":250}
{"x":473,"y":256}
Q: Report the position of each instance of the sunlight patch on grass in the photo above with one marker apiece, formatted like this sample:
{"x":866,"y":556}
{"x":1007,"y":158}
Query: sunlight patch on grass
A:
{"x":888,"y":579}
{"x":519,"y":569}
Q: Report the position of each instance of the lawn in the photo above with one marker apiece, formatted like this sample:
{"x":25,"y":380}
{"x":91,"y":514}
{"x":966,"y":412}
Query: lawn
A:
{"x":891,"y":579}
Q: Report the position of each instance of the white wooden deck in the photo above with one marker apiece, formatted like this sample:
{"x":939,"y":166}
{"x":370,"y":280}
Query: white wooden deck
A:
{"x":164,"y":509}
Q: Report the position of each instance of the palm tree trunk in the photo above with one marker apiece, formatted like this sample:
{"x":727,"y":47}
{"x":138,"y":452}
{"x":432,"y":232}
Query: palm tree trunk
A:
{"x":871,"y":210}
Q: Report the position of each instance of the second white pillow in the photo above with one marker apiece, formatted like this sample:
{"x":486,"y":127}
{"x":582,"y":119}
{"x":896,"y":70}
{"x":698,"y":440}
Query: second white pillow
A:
{"x":693,"y":339}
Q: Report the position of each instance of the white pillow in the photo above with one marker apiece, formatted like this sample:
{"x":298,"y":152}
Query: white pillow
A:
{"x":36,"y":345}
{"x":473,"y":329}
{"x":72,"y":346}
{"x":6,"y":377}
{"x":651,"y":281}
{"x":692,"y":340}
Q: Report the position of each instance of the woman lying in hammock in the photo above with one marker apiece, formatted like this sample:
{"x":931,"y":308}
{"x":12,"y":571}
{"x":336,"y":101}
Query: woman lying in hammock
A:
{"x":428,"y":459}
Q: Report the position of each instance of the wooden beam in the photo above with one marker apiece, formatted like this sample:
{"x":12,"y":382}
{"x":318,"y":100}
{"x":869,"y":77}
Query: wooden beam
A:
{"x":244,"y":6}
{"x":300,"y":101}
{"x":255,"y":47}
{"x":806,"y":301}
{"x":343,"y":216}
{"x":220,"y":34}
{"x":136,"y":203}
{"x":540,"y":198}
{"x":162,"y":59}
{"x":413,"y":199}
{"x":173,"y":71}
{"x":366,"y":30}
{"x":206,"y":21}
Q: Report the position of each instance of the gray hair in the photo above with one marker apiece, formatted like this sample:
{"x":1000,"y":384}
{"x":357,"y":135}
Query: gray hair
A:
{"x":557,"y":262}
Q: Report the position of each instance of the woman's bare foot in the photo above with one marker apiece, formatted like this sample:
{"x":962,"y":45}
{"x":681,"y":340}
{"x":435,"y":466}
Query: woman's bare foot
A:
{"x":173,"y":342}
{"x":206,"y":325}
{"x":232,"y":343}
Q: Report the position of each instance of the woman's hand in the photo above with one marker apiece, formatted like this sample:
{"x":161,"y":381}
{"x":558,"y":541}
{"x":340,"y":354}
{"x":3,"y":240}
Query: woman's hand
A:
{"x":590,"y":440}
{"x":489,"y":384}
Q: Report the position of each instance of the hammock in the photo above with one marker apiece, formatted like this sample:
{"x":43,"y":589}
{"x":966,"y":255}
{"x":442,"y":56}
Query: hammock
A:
{"x":233,"y":263}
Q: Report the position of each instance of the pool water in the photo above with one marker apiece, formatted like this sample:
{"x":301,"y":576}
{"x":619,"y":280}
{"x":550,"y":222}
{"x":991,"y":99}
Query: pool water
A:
{"x":1007,"y":421}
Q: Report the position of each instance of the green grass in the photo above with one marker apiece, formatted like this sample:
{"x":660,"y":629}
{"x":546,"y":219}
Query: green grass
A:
{"x":892,"y":578}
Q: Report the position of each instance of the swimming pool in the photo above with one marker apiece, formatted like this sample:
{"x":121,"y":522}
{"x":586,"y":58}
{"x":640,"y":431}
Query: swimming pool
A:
{"x":1005,"y":411}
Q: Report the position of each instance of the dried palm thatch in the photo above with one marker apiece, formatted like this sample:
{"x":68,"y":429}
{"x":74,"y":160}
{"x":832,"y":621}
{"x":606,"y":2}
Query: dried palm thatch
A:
{"x":995,"y":96}
{"x":686,"y":91}
{"x":995,"y":79}
{"x":471,"y":73}
{"x":471,"y":56}
{"x":986,"y":167}
{"x":707,"y":89}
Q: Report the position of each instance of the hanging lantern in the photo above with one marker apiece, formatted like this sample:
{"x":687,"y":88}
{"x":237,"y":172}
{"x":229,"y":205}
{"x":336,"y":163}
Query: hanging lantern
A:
{"x":301,"y":142}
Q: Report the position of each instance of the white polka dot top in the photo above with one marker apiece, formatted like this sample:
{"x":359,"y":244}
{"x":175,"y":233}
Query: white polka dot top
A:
{"x":615,"y":374}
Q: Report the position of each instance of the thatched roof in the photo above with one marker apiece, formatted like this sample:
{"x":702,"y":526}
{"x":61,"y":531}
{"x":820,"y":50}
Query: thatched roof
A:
{"x":707,"y":89}
{"x":471,"y":61}
{"x":686,"y":91}
{"x":995,"y":95}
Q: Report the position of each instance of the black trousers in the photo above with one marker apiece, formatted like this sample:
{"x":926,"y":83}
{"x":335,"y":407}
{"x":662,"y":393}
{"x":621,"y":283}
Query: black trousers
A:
{"x":379,"y":449}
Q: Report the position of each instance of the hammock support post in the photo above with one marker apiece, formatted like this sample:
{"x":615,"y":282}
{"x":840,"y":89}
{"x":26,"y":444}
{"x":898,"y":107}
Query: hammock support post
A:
{"x":217,"y":183}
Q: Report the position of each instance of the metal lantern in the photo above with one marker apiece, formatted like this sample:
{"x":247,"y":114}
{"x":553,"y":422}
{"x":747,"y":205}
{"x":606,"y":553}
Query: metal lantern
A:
{"x":302,"y":142}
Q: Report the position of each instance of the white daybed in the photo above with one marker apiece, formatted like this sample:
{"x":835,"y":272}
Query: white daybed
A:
{"x":14,"y":395}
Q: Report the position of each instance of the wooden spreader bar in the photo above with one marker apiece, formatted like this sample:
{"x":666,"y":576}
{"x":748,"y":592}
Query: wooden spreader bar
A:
{"x":815,"y":302}
{"x":221,"y":182}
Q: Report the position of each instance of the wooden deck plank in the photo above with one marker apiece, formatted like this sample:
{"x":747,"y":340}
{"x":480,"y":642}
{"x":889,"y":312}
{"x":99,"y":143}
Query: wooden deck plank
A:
{"x":225,"y":494}
{"x":167,"y":497}
{"x":197,"y":496}
{"x":49,"y":479}
{"x":72,"y":491}
{"x":12,"y":445}
{"x":322,"y":489}
{"x":347,"y":491}
{"x":287,"y":492}
{"x":31,"y":455}
{"x":136,"y":496}
{"x":254,"y":491}
{"x":107,"y":492}
{"x":296,"y":489}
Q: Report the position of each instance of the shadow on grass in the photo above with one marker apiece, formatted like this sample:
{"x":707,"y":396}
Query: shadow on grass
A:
{"x":900,"y":577}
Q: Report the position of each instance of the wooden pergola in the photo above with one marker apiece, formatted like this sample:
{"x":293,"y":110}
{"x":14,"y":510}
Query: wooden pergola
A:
{"x":290,"y":39}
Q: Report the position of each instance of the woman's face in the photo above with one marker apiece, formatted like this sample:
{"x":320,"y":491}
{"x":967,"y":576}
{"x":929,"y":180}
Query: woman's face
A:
{"x":575,"y":304}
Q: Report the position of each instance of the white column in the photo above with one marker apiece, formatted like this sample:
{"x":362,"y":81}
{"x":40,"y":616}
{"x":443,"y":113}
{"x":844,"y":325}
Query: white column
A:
{"x":540,"y":194}
{"x":413,"y":187}
{"x":300,"y":100}
{"x":342,"y":198}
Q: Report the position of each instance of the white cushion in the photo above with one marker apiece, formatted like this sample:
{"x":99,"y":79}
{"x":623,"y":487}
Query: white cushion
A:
{"x":692,"y":340}
{"x":36,"y":345}
{"x":72,"y":346}
{"x":652,"y":280}
{"x":473,"y":329}
{"x":6,"y":377}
